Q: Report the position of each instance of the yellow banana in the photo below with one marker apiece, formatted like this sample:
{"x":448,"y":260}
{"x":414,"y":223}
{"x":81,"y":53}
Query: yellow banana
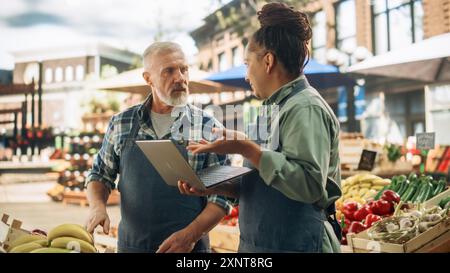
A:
{"x":368,"y":177}
{"x":367,"y":185}
{"x":73,"y":244}
{"x":344,"y":190}
{"x":377,"y":187}
{"x":43,"y":242}
{"x":51,"y":250}
{"x":381,"y":182}
{"x":363,"y":191}
{"x":70,"y":230}
{"x":25,"y":248}
{"x":354,"y":192}
{"x":25,"y":239}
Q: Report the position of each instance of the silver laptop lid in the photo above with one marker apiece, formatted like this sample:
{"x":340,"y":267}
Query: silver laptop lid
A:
{"x":169,"y":162}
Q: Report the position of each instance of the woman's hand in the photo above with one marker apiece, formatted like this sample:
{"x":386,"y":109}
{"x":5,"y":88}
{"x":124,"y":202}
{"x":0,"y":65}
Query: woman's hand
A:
{"x":229,"y":142}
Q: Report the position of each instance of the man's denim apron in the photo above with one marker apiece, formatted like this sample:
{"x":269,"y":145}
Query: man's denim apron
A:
{"x":151,"y":210}
{"x":271,"y":222}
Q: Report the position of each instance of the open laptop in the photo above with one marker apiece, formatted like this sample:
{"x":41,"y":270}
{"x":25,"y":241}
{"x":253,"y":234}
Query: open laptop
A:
{"x":167,"y":159}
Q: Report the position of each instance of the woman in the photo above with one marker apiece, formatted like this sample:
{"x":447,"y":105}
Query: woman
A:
{"x":283,"y":206}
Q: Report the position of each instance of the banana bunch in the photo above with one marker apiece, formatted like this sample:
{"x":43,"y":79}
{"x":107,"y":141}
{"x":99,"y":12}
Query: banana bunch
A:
{"x":65,"y":238}
{"x":362,"y":187}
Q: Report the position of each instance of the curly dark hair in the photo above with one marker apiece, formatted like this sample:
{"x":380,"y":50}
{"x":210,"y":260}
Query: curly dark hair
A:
{"x":285,"y":32}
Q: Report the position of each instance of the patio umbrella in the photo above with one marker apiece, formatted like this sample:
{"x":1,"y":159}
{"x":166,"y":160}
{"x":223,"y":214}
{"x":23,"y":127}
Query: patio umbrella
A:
{"x":131,"y":81}
{"x":319,"y":75}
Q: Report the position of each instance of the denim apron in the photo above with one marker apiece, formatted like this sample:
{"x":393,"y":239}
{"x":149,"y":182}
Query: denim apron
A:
{"x":150,"y":209}
{"x":271,"y":222}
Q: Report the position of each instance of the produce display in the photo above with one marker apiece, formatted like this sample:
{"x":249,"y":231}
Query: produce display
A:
{"x":407,"y":224}
{"x":65,"y":238}
{"x":368,"y":199}
{"x":415,"y":189}
{"x":357,"y":218}
{"x":361,"y":187}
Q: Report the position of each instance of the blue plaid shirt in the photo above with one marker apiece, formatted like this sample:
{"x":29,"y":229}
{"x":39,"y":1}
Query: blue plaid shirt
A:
{"x":106,"y":163}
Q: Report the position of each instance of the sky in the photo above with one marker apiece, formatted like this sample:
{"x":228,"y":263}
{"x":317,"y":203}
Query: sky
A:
{"x":126,"y":24}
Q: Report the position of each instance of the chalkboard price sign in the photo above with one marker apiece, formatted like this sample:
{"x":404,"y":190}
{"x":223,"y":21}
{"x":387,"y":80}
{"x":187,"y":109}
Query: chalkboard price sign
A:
{"x":425,"y":141}
{"x":367,"y":160}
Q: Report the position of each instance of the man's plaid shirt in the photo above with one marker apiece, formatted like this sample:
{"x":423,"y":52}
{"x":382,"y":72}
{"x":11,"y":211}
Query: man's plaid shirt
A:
{"x":106,"y":163}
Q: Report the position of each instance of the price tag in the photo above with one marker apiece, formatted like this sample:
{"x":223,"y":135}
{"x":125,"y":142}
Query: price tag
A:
{"x":367,"y":160}
{"x":425,"y":141}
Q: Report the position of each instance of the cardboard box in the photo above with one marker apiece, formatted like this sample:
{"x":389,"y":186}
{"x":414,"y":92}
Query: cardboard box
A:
{"x":9,"y":233}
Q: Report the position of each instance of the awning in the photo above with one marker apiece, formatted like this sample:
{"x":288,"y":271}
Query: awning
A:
{"x":132,"y":82}
{"x":320,"y":76}
{"x":427,"y":60}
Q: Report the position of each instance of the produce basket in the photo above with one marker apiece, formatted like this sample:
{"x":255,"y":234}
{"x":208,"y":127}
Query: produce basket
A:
{"x":435,"y":239}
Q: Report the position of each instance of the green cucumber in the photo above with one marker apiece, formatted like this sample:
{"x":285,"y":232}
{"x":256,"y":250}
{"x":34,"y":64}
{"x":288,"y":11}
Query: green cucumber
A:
{"x":440,"y":187}
{"x":403,"y":187}
{"x":417,"y":192}
{"x":444,"y":202}
{"x":409,"y":193}
{"x":426,"y":193}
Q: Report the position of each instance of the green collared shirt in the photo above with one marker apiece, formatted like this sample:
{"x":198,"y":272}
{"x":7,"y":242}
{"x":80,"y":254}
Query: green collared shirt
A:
{"x":306,"y":167}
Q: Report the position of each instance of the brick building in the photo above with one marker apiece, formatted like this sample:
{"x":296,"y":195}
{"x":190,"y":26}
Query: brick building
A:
{"x":352,"y":29}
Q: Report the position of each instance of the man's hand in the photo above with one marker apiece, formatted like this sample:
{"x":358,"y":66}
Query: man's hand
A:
{"x":186,"y":189}
{"x":226,"y":189}
{"x":182,"y":241}
{"x":98,"y":216}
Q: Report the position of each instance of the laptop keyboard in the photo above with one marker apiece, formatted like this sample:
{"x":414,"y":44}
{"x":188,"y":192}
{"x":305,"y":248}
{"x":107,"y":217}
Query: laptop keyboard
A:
{"x":217,"y":174}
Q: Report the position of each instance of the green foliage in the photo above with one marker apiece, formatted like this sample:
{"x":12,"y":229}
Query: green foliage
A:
{"x":394,"y":152}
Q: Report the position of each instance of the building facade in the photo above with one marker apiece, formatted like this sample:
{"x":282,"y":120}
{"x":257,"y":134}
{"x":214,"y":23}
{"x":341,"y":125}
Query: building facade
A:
{"x":344,"y":33}
{"x":66,"y":73}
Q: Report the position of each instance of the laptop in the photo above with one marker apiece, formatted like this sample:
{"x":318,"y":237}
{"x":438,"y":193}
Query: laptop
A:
{"x":167,"y":158}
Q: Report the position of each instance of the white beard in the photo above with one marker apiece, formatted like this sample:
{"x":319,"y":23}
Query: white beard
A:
{"x":180,"y":100}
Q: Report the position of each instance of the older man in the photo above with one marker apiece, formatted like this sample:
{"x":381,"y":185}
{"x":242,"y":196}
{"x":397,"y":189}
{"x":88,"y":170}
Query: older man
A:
{"x":155,"y":216}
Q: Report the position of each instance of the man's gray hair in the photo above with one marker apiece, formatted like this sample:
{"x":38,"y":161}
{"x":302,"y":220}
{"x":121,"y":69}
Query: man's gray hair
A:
{"x":156,"y":48}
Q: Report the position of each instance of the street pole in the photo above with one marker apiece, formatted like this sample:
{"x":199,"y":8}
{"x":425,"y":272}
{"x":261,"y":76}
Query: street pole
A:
{"x":40,"y":104}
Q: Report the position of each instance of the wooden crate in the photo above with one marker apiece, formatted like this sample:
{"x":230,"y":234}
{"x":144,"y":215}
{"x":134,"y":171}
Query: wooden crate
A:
{"x":80,"y":198}
{"x":436,"y":239}
{"x":350,"y":151}
{"x":224,"y":239}
{"x":361,"y":243}
{"x":435,"y":200}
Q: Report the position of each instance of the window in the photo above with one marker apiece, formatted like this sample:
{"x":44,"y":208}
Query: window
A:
{"x":396,"y":23}
{"x":210,"y":66}
{"x":48,"y":75}
{"x":222,"y":62}
{"x":407,"y":111}
{"x":58,"y":74}
{"x":346,"y":26}
{"x":69,"y":74}
{"x":79,"y":73}
{"x":237,"y":57}
{"x":319,"y":38}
